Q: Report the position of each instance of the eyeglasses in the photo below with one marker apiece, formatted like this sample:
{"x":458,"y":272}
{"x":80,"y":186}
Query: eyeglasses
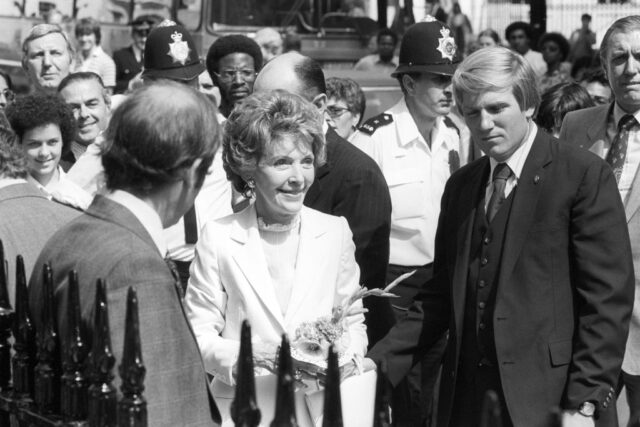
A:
{"x":335,"y":111}
{"x":9,"y":95}
{"x":228,"y":75}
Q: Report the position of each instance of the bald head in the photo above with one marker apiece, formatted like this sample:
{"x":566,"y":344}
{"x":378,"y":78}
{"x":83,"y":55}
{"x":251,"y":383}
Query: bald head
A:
{"x":294,"y":73}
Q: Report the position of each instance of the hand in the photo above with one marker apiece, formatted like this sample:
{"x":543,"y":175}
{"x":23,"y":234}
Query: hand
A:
{"x":576,"y":419}
{"x":265,"y":355}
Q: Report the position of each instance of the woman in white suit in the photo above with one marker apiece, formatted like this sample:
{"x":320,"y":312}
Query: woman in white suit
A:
{"x":276,"y":263}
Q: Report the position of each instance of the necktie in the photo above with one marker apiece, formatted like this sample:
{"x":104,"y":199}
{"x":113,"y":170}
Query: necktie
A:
{"x":501,"y":173}
{"x":618,"y":151}
{"x":191,"y":226}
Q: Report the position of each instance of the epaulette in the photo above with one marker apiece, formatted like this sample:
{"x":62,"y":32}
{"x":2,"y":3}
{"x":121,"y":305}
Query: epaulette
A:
{"x":370,"y":126}
{"x":450,"y":124}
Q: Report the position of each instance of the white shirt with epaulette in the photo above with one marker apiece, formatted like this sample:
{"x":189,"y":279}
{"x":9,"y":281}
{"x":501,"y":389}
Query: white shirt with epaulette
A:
{"x":416,"y":175}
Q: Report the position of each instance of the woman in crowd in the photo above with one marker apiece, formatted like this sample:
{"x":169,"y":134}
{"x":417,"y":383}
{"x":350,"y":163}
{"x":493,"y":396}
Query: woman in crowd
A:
{"x":276,"y":263}
{"x":90,"y":56}
{"x":488,"y":38}
{"x":555,"y":49}
{"x":557,"y":101}
{"x":6,"y":93}
{"x":45,"y":127}
{"x":345,"y":106}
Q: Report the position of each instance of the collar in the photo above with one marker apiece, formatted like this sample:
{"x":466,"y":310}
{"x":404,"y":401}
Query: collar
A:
{"x":53,"y":181}
{"x":147,"y":216}
{"x":408,"y":130}
{"x":77,"y":149}
{"x":618,"y":113}
{"x":5,"y":182}
{"x":519,"y":157}
{"x":137,"y":53}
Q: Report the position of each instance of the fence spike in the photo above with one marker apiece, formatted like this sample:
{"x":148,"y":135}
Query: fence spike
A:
{"x":74,"y":380}
{"x":244,"y":410}
{"x":102,"y":393}
{"x":5,"y":302}
{"x":6,"y":321}
{"x":24,"y":336}
{"x":332,"y":404}
{"x":132,"y":409}
{"x":381,"y":416}
{"x":285,"y":414}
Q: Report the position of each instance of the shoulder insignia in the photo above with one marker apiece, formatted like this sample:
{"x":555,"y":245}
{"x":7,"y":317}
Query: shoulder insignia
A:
{"x":450,"y":124}
{"x":370,"y":126}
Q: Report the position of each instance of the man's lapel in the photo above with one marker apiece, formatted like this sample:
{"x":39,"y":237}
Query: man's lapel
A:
{"x":632,"y":204}
{"x":469,"y":197}
{"x":525,"y":202}
{"x":597,"y":131}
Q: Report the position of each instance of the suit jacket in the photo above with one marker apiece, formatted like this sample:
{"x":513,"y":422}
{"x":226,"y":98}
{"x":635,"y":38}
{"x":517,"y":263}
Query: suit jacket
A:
{"x":230,"y":282}
{"x":126,"y":68}
{"x":27,"y":220}
{"x":351,"y":185}
{"x":588,"y":129}
{"x":109,"y":242}
{"x":564,"y":290}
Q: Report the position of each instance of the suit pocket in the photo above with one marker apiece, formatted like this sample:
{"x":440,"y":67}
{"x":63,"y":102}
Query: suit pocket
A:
{"x":408,"y":198}
{"x":560,"y":352}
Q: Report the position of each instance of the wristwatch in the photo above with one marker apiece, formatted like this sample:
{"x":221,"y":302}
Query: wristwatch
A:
{"x":587,"y":409}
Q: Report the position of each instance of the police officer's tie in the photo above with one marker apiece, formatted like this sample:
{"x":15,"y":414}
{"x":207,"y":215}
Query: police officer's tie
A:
{"x":501,"y":173}
{"x":618,"y":151}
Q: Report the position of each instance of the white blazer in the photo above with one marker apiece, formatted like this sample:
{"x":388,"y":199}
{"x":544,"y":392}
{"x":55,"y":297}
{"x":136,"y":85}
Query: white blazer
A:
{"x":230,"y":282}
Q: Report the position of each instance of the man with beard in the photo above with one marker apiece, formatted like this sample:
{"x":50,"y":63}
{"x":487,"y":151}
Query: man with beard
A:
{"x":233,"y":63}
{"x":85,"y":93}
{"x":417,"y":152}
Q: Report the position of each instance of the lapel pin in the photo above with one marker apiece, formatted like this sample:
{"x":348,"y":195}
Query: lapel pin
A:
{"x":536,"y":179}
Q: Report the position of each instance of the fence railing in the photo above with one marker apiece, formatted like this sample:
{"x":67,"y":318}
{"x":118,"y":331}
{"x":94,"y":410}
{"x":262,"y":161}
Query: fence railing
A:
{"x":48,"y":380}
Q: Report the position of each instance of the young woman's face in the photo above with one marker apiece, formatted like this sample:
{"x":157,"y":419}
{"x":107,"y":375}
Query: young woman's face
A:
{"x":42,"y":146}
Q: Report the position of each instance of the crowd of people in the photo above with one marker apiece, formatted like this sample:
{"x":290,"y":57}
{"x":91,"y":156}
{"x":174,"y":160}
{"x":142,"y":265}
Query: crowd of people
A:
{"x":501,"y":187}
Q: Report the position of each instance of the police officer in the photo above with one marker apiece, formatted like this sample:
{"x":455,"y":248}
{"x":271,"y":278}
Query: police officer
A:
{"x":417,"y":148}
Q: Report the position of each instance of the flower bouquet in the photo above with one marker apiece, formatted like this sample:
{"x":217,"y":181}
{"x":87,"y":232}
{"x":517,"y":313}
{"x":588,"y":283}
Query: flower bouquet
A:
{"x":310,"y":345}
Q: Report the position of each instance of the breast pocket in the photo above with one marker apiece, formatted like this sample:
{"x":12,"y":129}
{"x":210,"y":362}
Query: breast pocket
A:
{"x":408,"y":194}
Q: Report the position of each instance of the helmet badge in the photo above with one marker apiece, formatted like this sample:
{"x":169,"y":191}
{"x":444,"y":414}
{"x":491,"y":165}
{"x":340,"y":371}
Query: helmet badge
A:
{"x":446,"y":44}
{"x":178,"y":50}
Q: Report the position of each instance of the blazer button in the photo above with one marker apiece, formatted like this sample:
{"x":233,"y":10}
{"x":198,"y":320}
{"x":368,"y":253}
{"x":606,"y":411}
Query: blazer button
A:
{"x":487,"y":240}
{"x":482,"y":326}
{"x":605,"y":404}
{"x":481,"y":305}
{"x":482,"y":283}
{"x":484,"y":261}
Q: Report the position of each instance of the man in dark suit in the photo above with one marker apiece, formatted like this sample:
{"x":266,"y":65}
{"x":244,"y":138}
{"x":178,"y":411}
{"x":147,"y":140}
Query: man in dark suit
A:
{"x":350,"y":184}
{"x":600,"y":130}
{"x":156,"y":155}
{"x":533,"y":274}
{"x":27,"y":217}
{"x":129,"y":59}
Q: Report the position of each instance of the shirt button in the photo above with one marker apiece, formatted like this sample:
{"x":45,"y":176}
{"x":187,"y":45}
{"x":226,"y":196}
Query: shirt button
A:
{"x":482,"y":326}
{"x":484,"y":261}
{"x":482,"y":283}
{"x":481,"y":305}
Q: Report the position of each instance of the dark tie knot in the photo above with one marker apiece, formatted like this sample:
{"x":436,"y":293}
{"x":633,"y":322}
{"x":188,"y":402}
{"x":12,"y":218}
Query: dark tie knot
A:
{"x":627,"y":122}
{"x":501,"y":171}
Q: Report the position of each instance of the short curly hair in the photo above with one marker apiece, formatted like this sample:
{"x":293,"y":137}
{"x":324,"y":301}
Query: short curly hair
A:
{"x":235,"y":43}
{"x":40,"y":109}
{"x":263,"y":118}
{"x":12,"y":161}
{"x":150,"y":142}
{"x":559,"y":100}
{"x":349,"y":91}
{"x":558,"y":39}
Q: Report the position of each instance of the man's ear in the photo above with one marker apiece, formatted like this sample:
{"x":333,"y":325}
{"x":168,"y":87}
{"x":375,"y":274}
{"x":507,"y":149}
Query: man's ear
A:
{"x":408,"y":83}
{"x":320,"y":101}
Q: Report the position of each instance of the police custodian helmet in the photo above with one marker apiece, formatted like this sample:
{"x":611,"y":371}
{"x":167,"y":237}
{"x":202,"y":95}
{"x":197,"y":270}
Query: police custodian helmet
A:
{"x":170,"y":53}
{"x":428,"y":47}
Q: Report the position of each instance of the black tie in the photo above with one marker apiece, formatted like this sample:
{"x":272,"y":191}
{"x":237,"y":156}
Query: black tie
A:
{"x":618,"y":151}
{"x":501,"y":173}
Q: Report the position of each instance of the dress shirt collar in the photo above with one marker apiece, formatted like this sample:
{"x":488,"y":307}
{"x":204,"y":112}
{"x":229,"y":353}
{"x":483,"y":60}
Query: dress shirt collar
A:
{"x":77,"y":149}
{"x":147,"y":216}
{"x":519,"y":157}
{"x":408,"y":130}
{"x":5,"y":182}
{"x":619,"y":113}
{"x":137,"y":53}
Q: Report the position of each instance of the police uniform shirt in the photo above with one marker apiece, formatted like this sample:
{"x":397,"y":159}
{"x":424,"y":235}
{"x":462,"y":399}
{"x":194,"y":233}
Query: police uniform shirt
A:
{"x":416,"y":175}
